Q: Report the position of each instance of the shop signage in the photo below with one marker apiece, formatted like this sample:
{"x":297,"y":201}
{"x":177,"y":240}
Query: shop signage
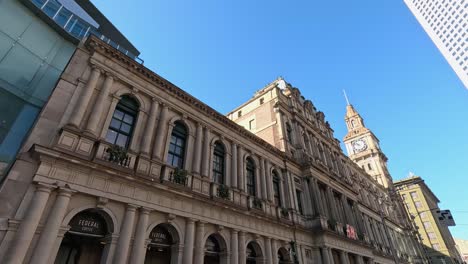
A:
{"x":159,"y":235}
{"x":88,"y":223}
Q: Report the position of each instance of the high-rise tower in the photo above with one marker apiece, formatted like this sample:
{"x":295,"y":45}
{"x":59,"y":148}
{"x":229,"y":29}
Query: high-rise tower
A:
{"x":446,"y":23}
{"x":364,"y":149}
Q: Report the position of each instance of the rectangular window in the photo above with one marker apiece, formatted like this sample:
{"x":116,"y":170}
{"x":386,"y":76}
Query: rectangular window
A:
{"x":299,"y":201}
{"x":252,"y":124}
{"x":427,"y":225}
{"x":414,"y":195}
{"x":418,"y":205}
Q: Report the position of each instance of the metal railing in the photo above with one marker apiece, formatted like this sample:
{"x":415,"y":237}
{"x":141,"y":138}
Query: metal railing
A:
{"x":75,"y":25}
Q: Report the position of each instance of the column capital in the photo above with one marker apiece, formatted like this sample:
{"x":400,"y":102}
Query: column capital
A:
{"x":109,"y":75}
{"x":234,"y":231}
{"x":191,"y":220}
{"x":95,"y":68}
{"x":145,"y":210}
{"x":67,"y":192}
{"x":131,"y":207}
{"x":44,"y":187}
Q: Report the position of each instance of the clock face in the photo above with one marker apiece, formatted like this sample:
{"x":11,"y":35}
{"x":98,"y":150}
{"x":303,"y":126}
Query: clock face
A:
{"x":359,"y":145}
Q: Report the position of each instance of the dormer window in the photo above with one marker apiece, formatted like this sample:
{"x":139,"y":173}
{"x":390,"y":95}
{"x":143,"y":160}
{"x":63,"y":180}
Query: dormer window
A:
{"x":239,"y":114}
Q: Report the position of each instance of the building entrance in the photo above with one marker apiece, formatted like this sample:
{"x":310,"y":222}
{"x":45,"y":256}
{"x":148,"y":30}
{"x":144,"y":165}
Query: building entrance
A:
{"x":159,"y":249}
{"x":212,"y":251}
{"x":83,"y":243}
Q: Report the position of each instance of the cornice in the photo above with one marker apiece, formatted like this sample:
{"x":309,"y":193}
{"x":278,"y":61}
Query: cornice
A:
{"x":95,"y":44}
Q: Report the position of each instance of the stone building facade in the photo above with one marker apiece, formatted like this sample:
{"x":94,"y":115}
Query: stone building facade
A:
{"x":124,"y":167}
{"x":423,"y":207}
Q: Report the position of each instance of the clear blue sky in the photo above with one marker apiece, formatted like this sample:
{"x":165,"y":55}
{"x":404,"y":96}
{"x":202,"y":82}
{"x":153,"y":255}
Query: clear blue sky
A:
{"x":223,"y":51}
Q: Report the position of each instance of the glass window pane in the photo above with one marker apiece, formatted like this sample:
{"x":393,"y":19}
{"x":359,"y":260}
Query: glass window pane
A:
{"x":128,"y":119}
{"x":115,"y":124}
{"x":125,"y":128}
{"x":171,"y":147}
{"x":62,"y":17}
{"x":118,"y":114}
{"x":51,"y":8}
{"x":111,"y":136}
{"x":122,"y":140}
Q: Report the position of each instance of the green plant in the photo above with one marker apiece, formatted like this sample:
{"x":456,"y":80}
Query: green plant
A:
{"x":117,"y":154}
{"x":179,"y":176}
{"x":223,"y":191}
{"x":284,"y":212}
{"x":257,"y":203}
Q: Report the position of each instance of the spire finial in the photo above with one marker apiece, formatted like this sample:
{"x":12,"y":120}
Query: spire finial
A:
{"x":346,"y":97}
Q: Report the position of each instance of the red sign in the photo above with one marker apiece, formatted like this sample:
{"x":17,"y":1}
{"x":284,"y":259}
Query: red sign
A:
{"x":351,"y":232}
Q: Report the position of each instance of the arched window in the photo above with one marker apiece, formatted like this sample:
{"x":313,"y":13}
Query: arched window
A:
{"x":289,"y":132}
{"x":176,"y":153}
{"x":123,"y":122}
{"x":250,"y":168}
{"x":276,"y":188}
{"x":218,"y":163}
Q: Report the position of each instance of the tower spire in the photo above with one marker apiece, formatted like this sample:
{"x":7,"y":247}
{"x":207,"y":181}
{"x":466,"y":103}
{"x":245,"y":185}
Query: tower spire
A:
{"x":346,"y":97}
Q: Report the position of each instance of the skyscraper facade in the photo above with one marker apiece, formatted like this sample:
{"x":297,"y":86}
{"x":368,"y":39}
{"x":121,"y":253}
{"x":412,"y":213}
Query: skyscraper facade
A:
{"x":37,"y":39}
{"x":446,"y":23}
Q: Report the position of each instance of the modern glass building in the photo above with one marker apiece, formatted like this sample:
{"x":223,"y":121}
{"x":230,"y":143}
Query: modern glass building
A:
{"x":37,"y":39}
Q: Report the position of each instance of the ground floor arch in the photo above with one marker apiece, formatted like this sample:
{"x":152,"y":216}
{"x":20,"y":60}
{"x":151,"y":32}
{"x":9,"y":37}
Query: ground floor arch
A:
{"x":162,"y":246}
{"x":254,"y":253}
{"x":215,"y":250}
{"x":85,"y":241}
{"x":283,"y":256}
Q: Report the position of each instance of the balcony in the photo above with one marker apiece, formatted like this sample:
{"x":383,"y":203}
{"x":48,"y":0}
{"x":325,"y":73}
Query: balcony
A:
{"x":115,"y":155}
{"x":255,"y":203}
{"x":176,"y":177}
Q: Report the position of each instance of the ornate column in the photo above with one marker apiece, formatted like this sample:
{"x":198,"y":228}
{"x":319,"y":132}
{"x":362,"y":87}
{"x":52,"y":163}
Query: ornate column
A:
{"x":268,"y":253}
{"x":242,"y":248}
{"x":274,"y":252}
{"x":332,"y":204}
{"x":110,"y":113}
{"x":240,"y":169}
{"x":206,"y":153}
{"x":326,"y":256}
{"x":99,"y":105}
{"x":234,"y":175}
{"x":262,"y":179}
{"x":316,"y":257}
{"x":234,"y":246}
{"x":50,"y":232}
{"x":308,"y":208}
{"x":189,"y":151}
{"x":135,"y":139}
{"x":199,"y":243}
{"x":198,"y":150}
{"x":189,"y":239}
{"x":315,"y":196}
{"x":149,"y":129}
{"x":160,"y":133}
{"x":125,"y":235}
{"x":139,"y":248}
{"x":85,"y":96}
{"x":22,"y":239}
{"x":344,"y":257}
{"x":269,"y":181}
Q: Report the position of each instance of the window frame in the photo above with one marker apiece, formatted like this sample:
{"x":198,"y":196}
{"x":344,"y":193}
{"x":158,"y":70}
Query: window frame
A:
{"x":219,"y":163}
{"x":277,"y":189}
{"x":250,"y":177}
{"x":125,"y":107}
{"x":179,"y":133}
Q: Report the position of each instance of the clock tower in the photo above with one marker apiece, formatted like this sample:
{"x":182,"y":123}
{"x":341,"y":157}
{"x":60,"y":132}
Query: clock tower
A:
{"x":364,"y":149}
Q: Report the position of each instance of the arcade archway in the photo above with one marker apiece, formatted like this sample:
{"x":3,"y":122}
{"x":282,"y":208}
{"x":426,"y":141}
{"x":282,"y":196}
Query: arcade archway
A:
{"x":160,"y":250}
{"x":85,"y":240}
{"x":253,"y":253}
{"x":283,"y":256}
